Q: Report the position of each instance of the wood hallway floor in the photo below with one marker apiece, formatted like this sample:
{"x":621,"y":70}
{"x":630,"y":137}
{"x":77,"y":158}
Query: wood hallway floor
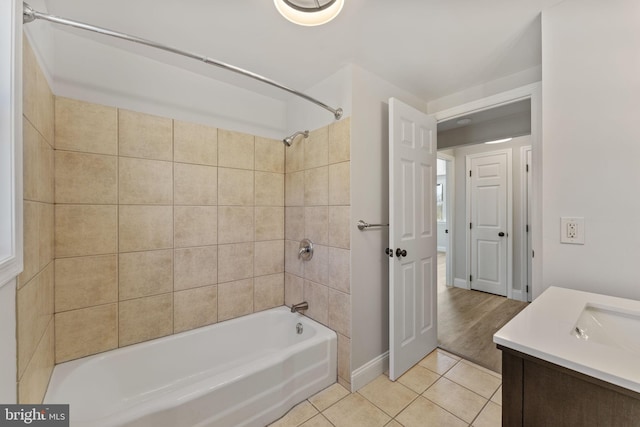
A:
{"x":468,"y":319}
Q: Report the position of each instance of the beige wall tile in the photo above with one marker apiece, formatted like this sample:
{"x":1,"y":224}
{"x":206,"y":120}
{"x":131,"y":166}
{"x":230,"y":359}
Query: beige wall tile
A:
{"x":316,"y":148}
{"x":235,"y":262}
{"x":340,"y":140}
{"x":235,"y":187}
{"x":30,"y":160}
{"x":195,"y":267}
{"x":45,"y":230}
{"x":195,"y":184}
{"x":145,"y":182}
{"x":85,"y":230}
{"x":317,"y":296}
{"x":294,"y":156}
{"x":294,"y":223}
{"x":194,"y":308}
{"x":294,"y":189}
{"x":85,"y":282}
{"x":316,"y":186}
{"x":344,"y":358}
{"x":144,"y":319}
{"x":269,"y":257}
{"x":235,"y":150}
{"x":86,"y":331}
{"x":145,"y":227}
{"x":34,"y":311}
{"x":33,"y":383}
{"x":142,"y":274}
{"x":339,"y":184}
{"x":268,"y":291}
{"x":86,"y":127}
{"x":339,"y":226}
{"x":31,"y":242}
{"x":235,"y":224}
{"x":269,"y":189}
{"x":292,"y":262}
{"x":340,"y":312}
{"x":293,"y":289}
{"x":269,"y":155}
{"x":317,"y":268}
{"x":235,"y":299}
{"x":38,"y":99}
{"x":340,"y":269}
{"x":316,"y":224}
{"x":195,"y":143}
{"x":46,"y":171}
{"x":86,"y":178}
{"x":146,"y":136}
{"x":196,"y":226}
{"x":269,"y":223}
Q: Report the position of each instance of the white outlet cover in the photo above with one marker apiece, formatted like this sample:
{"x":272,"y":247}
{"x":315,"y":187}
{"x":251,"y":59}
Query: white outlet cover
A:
{"x":564,"y":230}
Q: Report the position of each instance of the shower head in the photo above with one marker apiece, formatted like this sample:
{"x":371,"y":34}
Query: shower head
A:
{"x":289,"y":140}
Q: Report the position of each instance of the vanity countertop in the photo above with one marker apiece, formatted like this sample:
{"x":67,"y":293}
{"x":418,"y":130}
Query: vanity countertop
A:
{"x":545,"y":329}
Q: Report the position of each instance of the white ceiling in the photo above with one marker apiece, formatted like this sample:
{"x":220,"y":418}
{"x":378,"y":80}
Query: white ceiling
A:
{"x":430,"y":47}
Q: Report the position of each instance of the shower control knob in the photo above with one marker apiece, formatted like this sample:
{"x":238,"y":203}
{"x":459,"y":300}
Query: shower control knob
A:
{"x":401,"y":252}
{"x":389,"y":252}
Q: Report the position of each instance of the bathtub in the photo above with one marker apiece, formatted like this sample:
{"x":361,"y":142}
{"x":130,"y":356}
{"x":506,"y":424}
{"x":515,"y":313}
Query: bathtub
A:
{"x":247,"y":371}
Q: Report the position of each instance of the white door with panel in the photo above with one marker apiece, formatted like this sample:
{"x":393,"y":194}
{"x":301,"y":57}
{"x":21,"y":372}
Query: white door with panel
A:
{"x":489,"y":211}
{"x":413,"y":237}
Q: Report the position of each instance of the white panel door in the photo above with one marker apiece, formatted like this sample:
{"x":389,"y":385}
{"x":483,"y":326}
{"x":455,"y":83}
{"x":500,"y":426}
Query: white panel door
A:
{"x":413,"y":237}
{"x":489,"y":222}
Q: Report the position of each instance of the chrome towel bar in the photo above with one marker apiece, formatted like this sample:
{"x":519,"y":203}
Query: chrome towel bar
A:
{"x":362,"y":225}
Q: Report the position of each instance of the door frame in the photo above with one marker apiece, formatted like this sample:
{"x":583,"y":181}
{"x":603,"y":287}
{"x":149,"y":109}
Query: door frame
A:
{"x":532,"y":92}
{"x":526,"y":171}
{"x":450,"y":204}
{"x":468,"y":159}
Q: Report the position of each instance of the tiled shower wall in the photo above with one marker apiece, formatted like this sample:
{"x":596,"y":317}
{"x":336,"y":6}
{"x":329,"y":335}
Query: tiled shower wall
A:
{"x":161,"y":226}
{"x":318,"y":207}
{"x":35,"y":321}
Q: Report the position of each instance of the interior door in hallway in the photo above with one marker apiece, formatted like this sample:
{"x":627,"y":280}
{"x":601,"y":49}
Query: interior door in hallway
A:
{"x":489,"y":212}
{"x":413,"y":237}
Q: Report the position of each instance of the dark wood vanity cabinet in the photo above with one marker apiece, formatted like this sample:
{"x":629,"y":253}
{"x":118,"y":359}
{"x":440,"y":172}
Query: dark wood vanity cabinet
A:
{"x":536,"y":393}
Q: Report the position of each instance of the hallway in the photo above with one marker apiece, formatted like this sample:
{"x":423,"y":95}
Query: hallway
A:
{"x":468,"y":319}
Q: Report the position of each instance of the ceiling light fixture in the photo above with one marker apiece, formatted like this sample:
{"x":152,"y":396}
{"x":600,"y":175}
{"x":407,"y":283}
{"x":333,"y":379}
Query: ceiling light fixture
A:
{"x":309,"y":12}
{"x":498,"y":141}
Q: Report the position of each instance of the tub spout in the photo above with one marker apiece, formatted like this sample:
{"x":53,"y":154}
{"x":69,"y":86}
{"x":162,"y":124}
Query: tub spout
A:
{"x":301,"y":306}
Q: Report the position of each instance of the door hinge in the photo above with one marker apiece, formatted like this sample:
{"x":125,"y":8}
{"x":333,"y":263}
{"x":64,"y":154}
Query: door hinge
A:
{"x":469,"y":173}
{"x":527,"y":288}
{"x":527,"y":168}
{"x":470,"y":225}
{"x":533,"y":254}
{"x":470,"y":278}
{"x":527,"y":228}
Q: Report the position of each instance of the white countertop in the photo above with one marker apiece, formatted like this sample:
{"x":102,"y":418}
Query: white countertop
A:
{"x":543,"y":330}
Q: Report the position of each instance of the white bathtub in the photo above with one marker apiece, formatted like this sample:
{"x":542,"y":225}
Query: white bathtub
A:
{"x":247,"y":371}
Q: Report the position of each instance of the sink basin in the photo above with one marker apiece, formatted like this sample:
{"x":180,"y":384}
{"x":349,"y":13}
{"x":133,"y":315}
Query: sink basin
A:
{"x":609,"y":326}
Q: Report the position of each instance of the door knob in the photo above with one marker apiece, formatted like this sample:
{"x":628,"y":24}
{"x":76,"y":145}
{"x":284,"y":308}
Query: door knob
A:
{"x":501,"y":234}
{"x":446,"y":231}
{"x":401,"y":253}
{"x":389,"y":252}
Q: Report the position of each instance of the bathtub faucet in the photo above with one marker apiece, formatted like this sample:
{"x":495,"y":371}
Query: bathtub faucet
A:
{"x":301,"y":306}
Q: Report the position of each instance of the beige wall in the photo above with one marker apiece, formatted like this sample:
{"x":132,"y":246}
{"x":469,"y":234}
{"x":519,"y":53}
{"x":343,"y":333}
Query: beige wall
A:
{"x":318,"y":207}
{"x":35,"y":322}
{"x":161,"y":226}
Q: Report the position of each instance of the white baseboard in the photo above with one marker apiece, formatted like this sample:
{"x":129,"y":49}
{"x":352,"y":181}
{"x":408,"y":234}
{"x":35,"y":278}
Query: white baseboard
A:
{"x":442,"y":249}
{"x":518,"y":295}
{"x":460,"y":283}
{"x":369,"y":371}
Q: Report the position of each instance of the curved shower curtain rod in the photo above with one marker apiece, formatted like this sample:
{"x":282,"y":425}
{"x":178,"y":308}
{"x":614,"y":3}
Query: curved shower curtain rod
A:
{"x":30,"y":15}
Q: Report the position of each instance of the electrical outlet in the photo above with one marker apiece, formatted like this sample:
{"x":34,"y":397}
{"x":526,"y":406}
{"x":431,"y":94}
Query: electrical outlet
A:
{"x":572,"y":230}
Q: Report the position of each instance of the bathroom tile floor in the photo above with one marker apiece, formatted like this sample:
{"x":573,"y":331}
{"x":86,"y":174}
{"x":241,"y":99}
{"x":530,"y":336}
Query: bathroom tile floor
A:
{"x":441,"y":390}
